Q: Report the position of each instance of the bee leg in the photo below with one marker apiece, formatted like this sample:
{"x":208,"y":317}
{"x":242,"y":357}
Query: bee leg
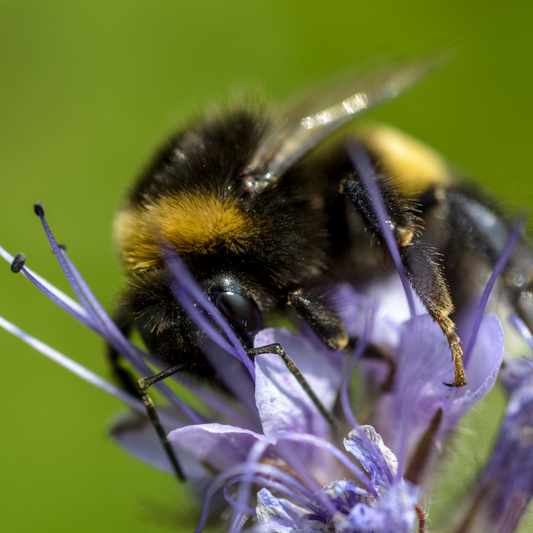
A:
{"x":424,"y":271}
{"x":295,"y":371}
{"x":126,"y":380}
{"x":473,"y":225}
{"x":421,"y":262}
{"x":329,"y":328}
{"x":143,"y":384}
{"x":325,"y":323}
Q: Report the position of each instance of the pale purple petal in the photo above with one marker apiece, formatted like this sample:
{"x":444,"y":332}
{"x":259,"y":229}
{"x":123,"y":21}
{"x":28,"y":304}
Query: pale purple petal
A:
{"x":135,"y":435}
{"x":278,"y":515}
{"x":481,"y":370}
{"x":424,"y":367}
{"x":368,"y":448}
{"x":345,"y":494}
{"x":356,"y":309}
{"x":217,"y":445}
{"x":283,"y":405}
{"x":268,"y":483}
{"x":257,"y":472}
{"x":235,"y":377}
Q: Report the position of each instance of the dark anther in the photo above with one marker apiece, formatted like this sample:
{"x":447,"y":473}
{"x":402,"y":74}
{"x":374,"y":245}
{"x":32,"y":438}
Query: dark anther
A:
{"x":38,"y":208}
{"x":62,"y":246}
{"x":18,"y":263}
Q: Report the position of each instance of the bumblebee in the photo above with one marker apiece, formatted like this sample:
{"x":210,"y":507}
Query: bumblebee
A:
{"x":268,"y":212}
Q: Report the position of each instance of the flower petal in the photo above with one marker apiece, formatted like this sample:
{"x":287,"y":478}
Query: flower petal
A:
{"x":280,"y":514}
{"x":356,"y":309}
{"x":277,"y":515}
{"x":481,"y":371}
{"x":134,"y":434}
{"x":283,"y":404}
{"x":217,"y":445}
{"x":423,"y":368}
{"x":345,"y":494}
{"x":378,"y":460}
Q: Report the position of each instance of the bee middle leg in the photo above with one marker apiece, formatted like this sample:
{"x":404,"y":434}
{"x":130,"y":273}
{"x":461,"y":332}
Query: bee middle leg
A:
{"x":325,"y":323}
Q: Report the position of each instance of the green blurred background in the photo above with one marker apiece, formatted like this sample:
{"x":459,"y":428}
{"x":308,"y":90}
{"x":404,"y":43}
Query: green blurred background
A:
{"x":87,"y":89}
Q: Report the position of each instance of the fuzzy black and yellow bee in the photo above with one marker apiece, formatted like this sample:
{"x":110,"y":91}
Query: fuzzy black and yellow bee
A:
{"x":267,"y":211}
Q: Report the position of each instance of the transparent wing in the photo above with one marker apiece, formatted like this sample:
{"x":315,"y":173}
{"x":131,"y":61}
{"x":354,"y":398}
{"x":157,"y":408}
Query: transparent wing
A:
{"x":321,"y":112}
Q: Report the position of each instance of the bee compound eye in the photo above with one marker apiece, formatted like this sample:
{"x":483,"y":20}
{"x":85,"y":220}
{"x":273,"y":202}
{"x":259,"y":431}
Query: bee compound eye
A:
{"x":240,"y":311}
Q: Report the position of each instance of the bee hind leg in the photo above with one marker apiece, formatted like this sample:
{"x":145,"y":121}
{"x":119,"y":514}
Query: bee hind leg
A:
{"x":470,"y":230}
{"x":421,"y":262}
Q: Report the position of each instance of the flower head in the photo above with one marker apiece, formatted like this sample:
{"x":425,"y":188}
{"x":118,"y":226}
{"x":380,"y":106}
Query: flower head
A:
{"x":278,"y":461}
{"x":388,"y":507}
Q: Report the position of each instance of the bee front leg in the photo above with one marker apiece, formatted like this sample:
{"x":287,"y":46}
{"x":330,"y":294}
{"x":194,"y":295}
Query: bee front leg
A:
{"x":295,"y":371}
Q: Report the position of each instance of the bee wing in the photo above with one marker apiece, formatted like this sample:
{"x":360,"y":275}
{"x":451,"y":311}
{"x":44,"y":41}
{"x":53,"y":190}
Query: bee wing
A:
{"x":321,"y":112}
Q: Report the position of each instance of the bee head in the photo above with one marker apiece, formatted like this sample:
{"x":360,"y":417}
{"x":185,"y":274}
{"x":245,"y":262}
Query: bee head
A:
{"x":167,"y":330}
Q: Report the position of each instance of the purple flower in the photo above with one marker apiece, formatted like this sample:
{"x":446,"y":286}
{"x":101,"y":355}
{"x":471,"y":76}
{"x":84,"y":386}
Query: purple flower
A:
{"x":267,"y":449}
{"x":389,"y":508}
{"x":420,"y":357}
{"x":285,"y":412}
